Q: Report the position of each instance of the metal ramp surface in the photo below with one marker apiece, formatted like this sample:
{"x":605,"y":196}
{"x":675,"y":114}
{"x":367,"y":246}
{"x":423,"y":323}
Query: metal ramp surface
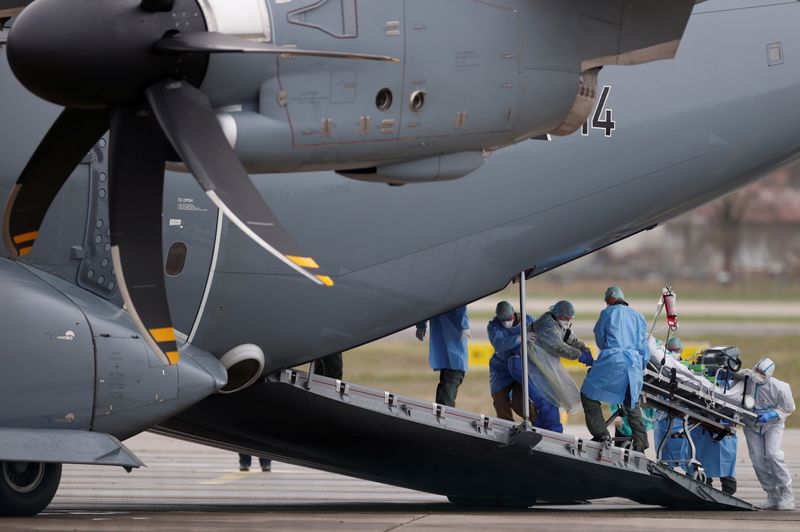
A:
{"x":473,"y":459}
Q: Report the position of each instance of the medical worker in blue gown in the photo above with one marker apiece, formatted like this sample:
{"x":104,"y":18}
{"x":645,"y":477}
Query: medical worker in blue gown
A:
{"x":504,"y":335}
{"x":718,"y":457}
{"x":447,"y":351}
{"x":616,"y":376}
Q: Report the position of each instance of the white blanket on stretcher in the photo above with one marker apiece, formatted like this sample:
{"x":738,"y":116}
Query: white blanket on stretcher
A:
{"x":684,"y":374}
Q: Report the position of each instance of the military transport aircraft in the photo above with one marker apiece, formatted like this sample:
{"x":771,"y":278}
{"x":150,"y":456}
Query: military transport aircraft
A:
{"x":508,"y":142}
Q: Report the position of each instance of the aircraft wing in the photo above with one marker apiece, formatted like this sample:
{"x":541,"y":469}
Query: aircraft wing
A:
{"x":10,"y":8}
{"x":631,"y":32}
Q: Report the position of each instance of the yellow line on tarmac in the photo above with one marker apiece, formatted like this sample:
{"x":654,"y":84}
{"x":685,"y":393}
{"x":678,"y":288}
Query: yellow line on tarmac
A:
{"x":225,"y":479}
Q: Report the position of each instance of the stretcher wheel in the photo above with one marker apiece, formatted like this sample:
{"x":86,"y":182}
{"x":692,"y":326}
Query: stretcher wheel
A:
{"x":700,"y":476}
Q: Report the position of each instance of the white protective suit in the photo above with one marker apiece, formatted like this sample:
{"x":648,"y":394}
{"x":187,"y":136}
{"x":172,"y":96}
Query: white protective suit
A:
{"x":764,"y":440}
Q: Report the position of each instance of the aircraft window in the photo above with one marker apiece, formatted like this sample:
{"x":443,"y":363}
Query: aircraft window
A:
{"x":775,"y":53}
{"x":176,"y":258}
{"x":384,"y":99}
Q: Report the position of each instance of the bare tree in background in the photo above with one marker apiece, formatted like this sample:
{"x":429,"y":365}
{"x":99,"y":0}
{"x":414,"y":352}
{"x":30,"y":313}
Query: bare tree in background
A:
{"x":727,"y":216}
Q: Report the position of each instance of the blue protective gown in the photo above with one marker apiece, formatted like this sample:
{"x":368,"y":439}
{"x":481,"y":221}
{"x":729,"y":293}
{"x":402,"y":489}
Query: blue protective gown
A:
{"x":505,"y":342}
{"x":621,"y":336}
{"x":718,"y":458}
{"x":547,"y":414}
{"x":675,"y":450}
{"x":448,"y":347}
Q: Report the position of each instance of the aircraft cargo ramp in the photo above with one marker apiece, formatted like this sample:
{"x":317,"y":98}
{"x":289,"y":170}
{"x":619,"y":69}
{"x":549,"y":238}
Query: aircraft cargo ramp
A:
{"x":472,"y":459}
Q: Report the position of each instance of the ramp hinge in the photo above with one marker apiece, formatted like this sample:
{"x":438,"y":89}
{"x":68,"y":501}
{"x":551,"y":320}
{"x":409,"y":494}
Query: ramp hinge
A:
{"x":342,"y":388}
{"x":605,"y":452}
{"x":577,"y":448}
{"x":484,"y":425}
{"x":293,"y":377}
{"x":406,"y":410}
{"x":438,"y":411}
{"x":389,"y":399}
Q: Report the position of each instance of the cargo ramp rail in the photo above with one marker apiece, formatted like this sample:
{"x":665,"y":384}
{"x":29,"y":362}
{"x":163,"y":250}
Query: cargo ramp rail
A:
{"x":474,"y":459}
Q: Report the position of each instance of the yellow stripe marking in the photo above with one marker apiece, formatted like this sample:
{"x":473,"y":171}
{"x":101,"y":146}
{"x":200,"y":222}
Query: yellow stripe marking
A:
{"x":26,"y":237}
{"x":173,"y":357}
{"x":167,"y":334}
{"x":25,"y":251}
{"x":225,"y":479}
{"x":327,"y":281}
{"x":303,"y":262}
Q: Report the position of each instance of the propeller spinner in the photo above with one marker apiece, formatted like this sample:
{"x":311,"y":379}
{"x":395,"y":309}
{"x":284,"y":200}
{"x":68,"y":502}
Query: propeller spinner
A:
{"x":134,"y":66}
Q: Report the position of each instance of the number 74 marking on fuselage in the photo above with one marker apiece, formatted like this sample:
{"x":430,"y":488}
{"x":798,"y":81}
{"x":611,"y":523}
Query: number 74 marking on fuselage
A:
{"x":602,"y":119}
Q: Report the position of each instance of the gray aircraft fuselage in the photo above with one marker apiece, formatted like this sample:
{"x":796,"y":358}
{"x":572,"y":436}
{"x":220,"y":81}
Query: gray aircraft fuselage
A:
{"x":720,"y":115}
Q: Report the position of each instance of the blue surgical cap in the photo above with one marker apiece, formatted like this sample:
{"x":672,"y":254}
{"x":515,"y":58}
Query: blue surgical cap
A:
{"x":504,"y":311}
{"x":615,"y":292}
{"x":563,"y":308}
{"x":674,"y":344}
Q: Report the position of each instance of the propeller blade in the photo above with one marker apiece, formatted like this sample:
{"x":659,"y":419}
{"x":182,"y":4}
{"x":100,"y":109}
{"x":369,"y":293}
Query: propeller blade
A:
{"x":64,"y":146}
{"x":190,"y":124}
{"x":136,"y":189}
{"x":219,"y":43}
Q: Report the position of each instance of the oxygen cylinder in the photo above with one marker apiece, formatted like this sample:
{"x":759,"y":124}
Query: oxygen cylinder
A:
{"x":668,"y":297}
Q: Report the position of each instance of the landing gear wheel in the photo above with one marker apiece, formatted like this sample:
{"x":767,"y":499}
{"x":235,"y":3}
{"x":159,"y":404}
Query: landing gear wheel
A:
{"x":26,"y":488}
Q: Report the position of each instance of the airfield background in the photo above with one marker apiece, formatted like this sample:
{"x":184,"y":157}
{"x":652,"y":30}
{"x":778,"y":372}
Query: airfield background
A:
{"x":735,"y":264}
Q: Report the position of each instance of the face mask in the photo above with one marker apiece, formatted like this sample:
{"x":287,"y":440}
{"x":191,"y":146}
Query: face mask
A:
{"x":565,"y":324}
{"x":759,"y":378}
{"x":507,"y":324}
{"x":675,"y":354}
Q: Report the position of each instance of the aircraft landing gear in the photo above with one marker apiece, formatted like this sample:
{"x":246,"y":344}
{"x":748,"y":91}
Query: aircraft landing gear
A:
{"x":26,"y":488}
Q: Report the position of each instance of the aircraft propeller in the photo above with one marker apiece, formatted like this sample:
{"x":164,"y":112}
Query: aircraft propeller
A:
{"x":134,"y":67}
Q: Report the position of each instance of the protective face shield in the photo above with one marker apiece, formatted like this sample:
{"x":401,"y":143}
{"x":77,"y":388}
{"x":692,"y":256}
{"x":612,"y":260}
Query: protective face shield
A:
{"x":763,"y":370}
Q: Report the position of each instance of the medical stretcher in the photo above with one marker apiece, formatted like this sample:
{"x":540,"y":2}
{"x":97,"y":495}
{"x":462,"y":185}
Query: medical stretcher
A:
{"x":697,"y":402}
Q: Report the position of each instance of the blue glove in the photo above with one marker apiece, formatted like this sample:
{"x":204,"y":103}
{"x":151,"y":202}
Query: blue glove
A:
{"x":766,"y":417}
{"x":586,"y":358}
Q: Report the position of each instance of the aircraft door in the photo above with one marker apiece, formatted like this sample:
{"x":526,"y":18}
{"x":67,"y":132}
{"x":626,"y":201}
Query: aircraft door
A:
{"x":351,"y":101}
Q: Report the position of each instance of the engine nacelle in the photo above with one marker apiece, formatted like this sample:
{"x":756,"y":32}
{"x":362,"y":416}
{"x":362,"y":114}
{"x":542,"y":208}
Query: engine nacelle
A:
{"x":473,"y":77}
{"x":75,"y":361}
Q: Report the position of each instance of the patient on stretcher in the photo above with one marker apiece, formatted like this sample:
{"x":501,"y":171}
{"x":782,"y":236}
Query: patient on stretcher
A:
{"x":664,"y":363}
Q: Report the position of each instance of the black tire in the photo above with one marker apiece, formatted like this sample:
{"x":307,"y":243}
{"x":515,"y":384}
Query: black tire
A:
{"x":26,"y":488}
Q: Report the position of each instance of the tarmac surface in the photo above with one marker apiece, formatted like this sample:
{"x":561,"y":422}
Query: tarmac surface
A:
{"x":192,"y":487}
